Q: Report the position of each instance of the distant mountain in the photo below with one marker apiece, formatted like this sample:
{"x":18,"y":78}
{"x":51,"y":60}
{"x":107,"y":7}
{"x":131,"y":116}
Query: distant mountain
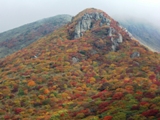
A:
{"x":146,"y":33}
{"x":18,"y":38}
{"x":89,"y":69}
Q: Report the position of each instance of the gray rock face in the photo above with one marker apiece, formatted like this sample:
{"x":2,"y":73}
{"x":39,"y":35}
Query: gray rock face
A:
{"x":97,"y":16}
{"x":77,"y":33}
{"x":93,"y":52}
{"x":75,"y":60}
{"x":115,"y":45}
{"x":85,"y":25}
{"x":135,"y":54}
{"x":111,"y":31}
{"x":82,"y":26}
{"x":116,"y":42}
{"x":87,"y":22}
{"x":120,"y":39}
{"x":105,"y":20}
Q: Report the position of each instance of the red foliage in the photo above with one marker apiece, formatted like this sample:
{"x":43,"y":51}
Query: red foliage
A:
{"x":86,"y":111}
{"x":139,"y":92}
{"x":75,"y":96}
{"x":103,"y":105}
{"x":149,"y":95}
{"x":102,"y":110}
{"x":135,"y":107}
{"x":73,"y":83}
{"x":117,"y":96}
{"x":72,"y":114}
{"x":151,"y":77}
{"x":108,"y":118}
{"x":157,"y":69}
{"x":143,"y":103}
{"x":150,"y":113}
{"x":138,"y":98}
{"x":17,"y":110}
{"x":98,"y":95}
{"x":7,"y":117}
{"x":157,"y":83}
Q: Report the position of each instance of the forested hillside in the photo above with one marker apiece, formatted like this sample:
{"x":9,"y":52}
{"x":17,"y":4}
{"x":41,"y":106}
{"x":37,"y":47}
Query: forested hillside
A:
{"x":90,"y":69}
{"x":18,"y":38}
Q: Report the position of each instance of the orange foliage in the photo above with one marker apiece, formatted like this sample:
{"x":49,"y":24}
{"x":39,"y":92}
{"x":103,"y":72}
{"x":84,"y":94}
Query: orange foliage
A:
{"x":98,"y":83}
{"x":31,"y":83}
{"x":42,"y":97}
{"x":46,"y":91}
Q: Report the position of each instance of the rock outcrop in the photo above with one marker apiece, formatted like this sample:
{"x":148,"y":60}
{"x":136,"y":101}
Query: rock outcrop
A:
{"x":135,"y":54}
{"x":89,"y":20}
{"x":87,"y":23}
{"x":75,"y":60}
{"x":116,"y":42}
{"x":111,"y":31}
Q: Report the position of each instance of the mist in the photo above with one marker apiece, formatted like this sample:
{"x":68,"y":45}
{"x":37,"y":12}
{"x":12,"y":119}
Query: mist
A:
{"x":15,"y":13}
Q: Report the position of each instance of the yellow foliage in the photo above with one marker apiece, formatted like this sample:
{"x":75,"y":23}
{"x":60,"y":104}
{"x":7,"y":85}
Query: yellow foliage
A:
{"x":92,"y":79}
{"x":84,"y":86}
{"x":69,"y":50}
{"x":60,"y":112}
{"x":112,"y":65}
{"x":64,"y":95}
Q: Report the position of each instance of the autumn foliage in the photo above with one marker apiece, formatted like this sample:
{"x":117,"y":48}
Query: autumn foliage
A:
{"x":99,"y":84}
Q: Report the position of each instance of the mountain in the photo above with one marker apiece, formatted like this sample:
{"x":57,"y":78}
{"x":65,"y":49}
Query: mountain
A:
{"x":146,"y":33}
{"x":89,"y":69}
{"x":18,"y":38}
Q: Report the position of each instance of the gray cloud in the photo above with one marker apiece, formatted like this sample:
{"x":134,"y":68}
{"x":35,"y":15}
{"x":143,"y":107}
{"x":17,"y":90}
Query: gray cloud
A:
{"x":15,"y":13}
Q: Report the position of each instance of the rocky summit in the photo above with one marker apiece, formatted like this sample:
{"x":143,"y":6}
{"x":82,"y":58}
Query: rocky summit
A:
{"x":89,"y":69}
{"x":87,"y":22}
{"x":91,"y":21}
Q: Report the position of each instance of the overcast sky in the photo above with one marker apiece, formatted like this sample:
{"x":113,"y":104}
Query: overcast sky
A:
{"x":15,"y":13}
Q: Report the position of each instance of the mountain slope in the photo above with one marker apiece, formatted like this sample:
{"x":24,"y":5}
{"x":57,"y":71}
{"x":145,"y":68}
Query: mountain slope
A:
{"x":18,"y":38}
{"x":89,"y":69}
{"x":144,"y":32}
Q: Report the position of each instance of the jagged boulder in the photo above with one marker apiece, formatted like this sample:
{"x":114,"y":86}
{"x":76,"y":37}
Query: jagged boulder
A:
{"x":115,"y":45}
{"x":111,"y":31}
{"x":135,"y":54}
{"x":93,"y":52}
{"x":87,"y":23}
{"x":84,"y":24}
{"x":116,"y":42}
{"x":77,"y":32}
{"x":75,"y":60}
{"x":120,"y":38}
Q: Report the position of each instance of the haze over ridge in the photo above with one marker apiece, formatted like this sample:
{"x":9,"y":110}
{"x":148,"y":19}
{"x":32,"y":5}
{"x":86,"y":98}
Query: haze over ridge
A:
{"x":16,"y":13}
